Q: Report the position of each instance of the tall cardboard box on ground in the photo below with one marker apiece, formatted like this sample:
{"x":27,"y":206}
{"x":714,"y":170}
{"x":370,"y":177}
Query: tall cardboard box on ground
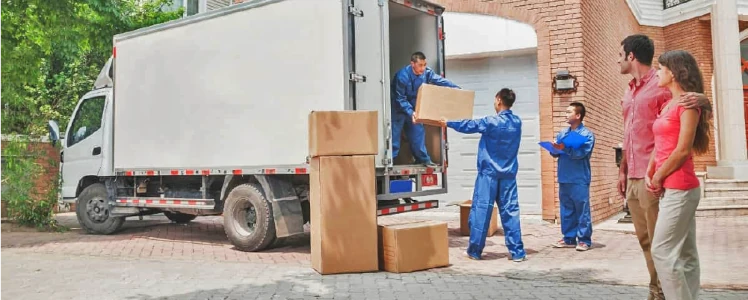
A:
{"x":343,"y":133}
{"x":343,"y":208}
{"x":465,"y":215}
{"x":435,"y":102}
{"x":413,"y":246}
{"x":342,"y":195}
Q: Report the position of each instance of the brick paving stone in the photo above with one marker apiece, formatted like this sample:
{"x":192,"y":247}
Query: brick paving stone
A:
{"x":175,"y":255}
{"x":67,"y":276}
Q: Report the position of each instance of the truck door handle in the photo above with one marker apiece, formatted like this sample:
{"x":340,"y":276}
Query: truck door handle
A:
{"x":96,"y":150}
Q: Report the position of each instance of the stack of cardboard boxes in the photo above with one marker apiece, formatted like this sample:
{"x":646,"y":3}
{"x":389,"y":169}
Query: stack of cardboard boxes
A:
{"x":342,"y":193}
{"x":345,"y":237}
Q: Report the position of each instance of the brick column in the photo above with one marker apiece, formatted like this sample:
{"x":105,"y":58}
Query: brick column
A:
{"x":732,"y":159}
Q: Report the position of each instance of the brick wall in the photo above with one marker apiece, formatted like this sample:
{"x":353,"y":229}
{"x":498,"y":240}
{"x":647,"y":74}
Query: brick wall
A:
{"x":582,"y":39}
{"x":695,"y":36}
{"x":559,"y":31}
{"x":50,"y":162}
{"x":602,"y":96}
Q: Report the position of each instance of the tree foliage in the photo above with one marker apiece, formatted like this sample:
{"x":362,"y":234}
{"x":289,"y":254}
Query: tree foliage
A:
{"x":52,"y":52}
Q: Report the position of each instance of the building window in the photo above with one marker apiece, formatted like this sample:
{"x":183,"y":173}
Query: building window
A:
{"x":673,"y":3}
{"x":192,"y":7}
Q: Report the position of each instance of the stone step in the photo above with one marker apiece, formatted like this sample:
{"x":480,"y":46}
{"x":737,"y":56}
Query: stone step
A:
{"x":710,"y":192}
{"x":723,"y":201}
{"x":725,"y":183}
{"x":723,"y":211}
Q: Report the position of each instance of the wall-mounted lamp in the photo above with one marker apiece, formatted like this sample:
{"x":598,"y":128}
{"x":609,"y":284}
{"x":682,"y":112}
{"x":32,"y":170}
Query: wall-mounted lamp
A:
{"x":564,"y":82}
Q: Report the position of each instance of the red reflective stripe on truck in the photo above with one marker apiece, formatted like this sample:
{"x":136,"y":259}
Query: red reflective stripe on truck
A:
{"x":301,"y":171}
{"x":149,"y":173}
{"x":206,"y":172}
{"x":237,"y":172}
{"x":190,"y":172}
{"x":128,"y":173}
{"x":174,"y":172}
{"x":408,"y":3}
{"x":269,"y":171}
{"x":431,"y":12}
{"x":114,"y":52}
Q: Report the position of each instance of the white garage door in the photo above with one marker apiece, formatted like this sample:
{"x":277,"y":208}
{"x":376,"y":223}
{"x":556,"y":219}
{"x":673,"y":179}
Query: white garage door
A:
{"x":486,"y":76}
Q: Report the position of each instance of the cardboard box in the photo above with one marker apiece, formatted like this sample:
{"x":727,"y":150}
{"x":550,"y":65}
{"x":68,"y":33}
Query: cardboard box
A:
{"x":413,"y":246}
{"x":435,"y":102}
{"x":343,"y":133}
{"x":465,"y":215}
{"x":343,"y":212}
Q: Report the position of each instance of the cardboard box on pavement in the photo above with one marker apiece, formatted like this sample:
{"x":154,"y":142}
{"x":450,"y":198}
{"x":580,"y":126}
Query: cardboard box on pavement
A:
{"x":465,"y":215}
{"x":343,"y":212}
{"x":343,"y":133}
{"x":414,"y":246}
{"x":435,"y":102}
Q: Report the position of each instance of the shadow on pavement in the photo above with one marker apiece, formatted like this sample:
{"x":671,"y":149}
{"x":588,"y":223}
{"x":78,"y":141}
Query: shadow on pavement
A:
{"x":421,"y":285}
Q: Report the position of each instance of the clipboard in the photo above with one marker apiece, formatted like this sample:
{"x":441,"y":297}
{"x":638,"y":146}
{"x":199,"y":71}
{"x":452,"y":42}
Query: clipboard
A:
{"x":549,"y":147}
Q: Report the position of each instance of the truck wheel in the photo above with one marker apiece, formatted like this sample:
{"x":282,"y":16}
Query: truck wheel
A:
{"x":248,"y":218}
{"x":93,"y":211}
{"x":179,"y":218}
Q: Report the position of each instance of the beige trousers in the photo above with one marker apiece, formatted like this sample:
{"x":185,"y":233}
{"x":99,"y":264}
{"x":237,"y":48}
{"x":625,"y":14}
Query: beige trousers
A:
{"x":644,"y":207}
{"x":674,"y":244}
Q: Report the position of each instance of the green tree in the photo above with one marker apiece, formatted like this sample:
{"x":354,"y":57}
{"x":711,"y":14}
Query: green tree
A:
{"x":53,"y":50}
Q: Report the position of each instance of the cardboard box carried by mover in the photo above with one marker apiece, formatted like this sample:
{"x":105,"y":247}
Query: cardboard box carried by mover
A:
{"x":436,"y":102}
{"x":465,"y":215}
{"x":343,"y":133}
{"x":343,"y":213}
{"x":413,"y":246}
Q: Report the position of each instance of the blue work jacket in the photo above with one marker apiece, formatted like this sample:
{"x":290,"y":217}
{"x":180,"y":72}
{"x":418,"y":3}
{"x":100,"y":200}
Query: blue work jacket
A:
{"x":499,"y":143}
{"x":404,"y":88}
{"x":574,"y":164}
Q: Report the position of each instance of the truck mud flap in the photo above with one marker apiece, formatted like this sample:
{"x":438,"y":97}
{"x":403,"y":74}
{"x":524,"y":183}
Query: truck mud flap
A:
{"x":287,"y":213}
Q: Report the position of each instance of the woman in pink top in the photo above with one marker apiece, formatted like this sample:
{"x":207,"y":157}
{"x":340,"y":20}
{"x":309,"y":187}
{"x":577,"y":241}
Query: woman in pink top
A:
{"x":678,"y":132}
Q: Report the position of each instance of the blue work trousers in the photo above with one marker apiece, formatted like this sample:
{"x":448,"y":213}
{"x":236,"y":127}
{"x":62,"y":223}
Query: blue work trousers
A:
{"x":489,"y":189}
{"x":576,"y":222}
{"x":415,"y":133}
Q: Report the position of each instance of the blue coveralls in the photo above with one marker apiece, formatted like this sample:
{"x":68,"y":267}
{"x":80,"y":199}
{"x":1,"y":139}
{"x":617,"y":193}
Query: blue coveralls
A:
{"x":574,"y":188}
{"x":496,"y":180}
{"x":403,"y":92}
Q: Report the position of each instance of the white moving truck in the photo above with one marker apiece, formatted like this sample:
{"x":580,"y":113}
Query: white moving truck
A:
{"x":207,"y":115}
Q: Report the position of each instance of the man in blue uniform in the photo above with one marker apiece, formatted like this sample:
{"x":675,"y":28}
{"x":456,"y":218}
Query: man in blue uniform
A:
{"x":574,"y":182}
{"x":497,"y":172}
{"x":404,"y":89}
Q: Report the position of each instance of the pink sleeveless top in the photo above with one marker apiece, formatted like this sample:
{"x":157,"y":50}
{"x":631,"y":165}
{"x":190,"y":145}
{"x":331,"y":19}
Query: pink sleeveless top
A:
{"x":666,"y":130}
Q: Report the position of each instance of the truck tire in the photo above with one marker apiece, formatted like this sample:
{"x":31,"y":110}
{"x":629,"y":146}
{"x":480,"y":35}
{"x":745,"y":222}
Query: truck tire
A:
{"x":93,"y":211}
{"x":248,"y":218}
{"x":179,"y":218}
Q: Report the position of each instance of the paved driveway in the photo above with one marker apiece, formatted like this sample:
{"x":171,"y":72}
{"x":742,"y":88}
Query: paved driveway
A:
{"x":153,"y":258}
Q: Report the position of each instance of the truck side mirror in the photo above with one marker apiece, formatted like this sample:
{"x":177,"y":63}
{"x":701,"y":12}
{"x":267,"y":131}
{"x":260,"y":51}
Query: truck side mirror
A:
{"x":54,"y":132}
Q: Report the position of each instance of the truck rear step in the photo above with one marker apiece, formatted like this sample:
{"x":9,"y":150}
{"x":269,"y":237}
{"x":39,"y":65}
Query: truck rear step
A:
{"x":401,"y":208}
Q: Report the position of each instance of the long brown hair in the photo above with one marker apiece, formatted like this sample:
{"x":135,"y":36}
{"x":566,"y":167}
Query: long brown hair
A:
{"x":687,"y":74}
